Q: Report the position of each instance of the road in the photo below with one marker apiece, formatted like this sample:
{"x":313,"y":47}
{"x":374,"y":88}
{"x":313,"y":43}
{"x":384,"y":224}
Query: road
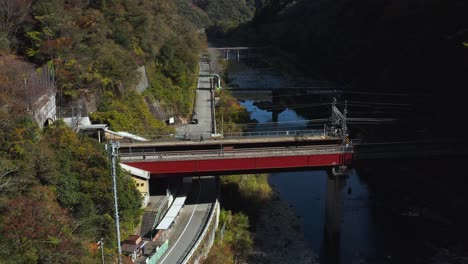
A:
{"x":193,"y":216}
{"x":202,"y":109}
{"x":191,"y":219}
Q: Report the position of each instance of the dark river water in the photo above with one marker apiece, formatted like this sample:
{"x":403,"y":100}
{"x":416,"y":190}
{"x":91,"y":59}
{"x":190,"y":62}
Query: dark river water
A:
{"x":366,"y":232}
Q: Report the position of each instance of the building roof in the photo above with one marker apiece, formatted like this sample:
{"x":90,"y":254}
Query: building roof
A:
{"x":170,"y":216}
{"x":84,"y":123}
{"x":133,"y":239}
{"x":135,"y":171}
{"x":126,"y":135}
{"x":131,"y":247}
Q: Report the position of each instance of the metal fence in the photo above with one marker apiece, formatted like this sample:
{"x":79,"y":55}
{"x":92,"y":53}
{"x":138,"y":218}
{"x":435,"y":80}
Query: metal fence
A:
{"x":229,"y":135}
{"x":141,"y":154}
{"x":278,"y":133}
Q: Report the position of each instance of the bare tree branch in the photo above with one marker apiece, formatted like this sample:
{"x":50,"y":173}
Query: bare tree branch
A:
{"x":12,"y":14}
{"x":6,"y":169}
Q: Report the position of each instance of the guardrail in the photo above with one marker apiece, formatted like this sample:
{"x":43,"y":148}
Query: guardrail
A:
{"x":222,"y":152}
{"x":230,"y":135}
{"x":279,"y":133}
{"x":201,"y":228}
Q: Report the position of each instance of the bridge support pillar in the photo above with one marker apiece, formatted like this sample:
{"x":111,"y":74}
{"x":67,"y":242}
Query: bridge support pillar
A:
{"x":333,"y":215}
{"x":339,"y":170}
{"x":275,"y":104}
{"x":274,"y":115}
{"x":238,"y":56}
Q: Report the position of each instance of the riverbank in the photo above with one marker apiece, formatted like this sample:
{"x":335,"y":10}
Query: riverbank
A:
{"x":274,"y":226}
{"x":278,"y":237}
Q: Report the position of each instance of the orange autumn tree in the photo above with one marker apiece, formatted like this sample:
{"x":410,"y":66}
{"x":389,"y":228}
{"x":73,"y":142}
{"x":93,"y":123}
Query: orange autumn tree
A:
{"x":38,"y":229}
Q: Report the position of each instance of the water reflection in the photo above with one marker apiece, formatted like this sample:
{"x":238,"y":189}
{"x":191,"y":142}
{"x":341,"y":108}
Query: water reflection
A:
{"x":335,"y":211}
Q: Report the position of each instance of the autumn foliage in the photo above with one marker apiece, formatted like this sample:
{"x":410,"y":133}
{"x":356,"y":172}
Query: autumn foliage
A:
{"x":56,"y":194}
{"x":36,"y":226}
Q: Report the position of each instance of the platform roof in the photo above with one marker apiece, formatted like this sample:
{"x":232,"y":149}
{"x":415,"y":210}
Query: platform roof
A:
{"x":171,"y":215}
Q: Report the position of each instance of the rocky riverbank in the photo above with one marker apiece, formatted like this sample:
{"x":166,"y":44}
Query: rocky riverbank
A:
{"x":278,"y":237}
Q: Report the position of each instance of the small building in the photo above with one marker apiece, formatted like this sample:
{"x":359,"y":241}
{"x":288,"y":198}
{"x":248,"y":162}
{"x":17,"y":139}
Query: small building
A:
{"x":133,"y":246}
{"x":141,"y":179}
{"x":153,"y":251}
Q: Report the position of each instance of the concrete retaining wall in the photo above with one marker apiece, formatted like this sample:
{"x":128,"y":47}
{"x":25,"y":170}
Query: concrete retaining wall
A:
{"x":202,"y":247}
{"x":44,"y":109}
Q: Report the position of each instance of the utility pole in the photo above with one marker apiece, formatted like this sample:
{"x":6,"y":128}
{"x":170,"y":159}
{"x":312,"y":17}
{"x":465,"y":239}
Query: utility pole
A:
{"x":102,"y":249}
{"x":213,"y":113}
{"x":112,"y":148}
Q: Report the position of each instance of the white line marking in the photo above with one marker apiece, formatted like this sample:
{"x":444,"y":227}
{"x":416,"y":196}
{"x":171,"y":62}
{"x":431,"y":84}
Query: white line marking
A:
{"x":188,"y":223}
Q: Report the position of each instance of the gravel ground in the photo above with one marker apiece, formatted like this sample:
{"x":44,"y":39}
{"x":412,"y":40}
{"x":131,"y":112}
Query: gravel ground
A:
{"x":278,"y":237}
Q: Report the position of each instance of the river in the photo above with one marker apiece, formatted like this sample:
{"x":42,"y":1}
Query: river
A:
{"x":368,"y":231}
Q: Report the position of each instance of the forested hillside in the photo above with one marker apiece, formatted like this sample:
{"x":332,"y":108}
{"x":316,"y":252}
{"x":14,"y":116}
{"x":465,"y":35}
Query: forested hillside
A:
{"x":56,"y":194}
{"x":96,"y":46}
{"x":56,"y":197}
{"x":378,"y":45}
{"x":418,"y":48}
{"x":225,"y":15}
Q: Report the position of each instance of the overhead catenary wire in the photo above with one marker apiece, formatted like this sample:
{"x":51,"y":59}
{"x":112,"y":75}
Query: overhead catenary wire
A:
{"x":375,"y":103}
{"x":317,"y":121}
{"x":305,"y":106}
{"x":337,"y":91}
{"x":387,"y":94}
{"x":350,"y":103}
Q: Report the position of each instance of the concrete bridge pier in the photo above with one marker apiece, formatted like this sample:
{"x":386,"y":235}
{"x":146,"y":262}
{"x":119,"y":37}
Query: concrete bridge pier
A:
{"x":226,"y":57}
{"x":333,"y":215}
{"x":275,"y":106}
{"x":275,"y":115}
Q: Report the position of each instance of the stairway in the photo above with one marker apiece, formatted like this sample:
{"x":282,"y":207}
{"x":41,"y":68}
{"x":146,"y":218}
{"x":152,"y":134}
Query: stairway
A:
{"x":147,"y":224}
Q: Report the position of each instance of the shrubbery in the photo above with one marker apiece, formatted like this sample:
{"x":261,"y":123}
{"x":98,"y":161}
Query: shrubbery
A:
{"x":131,"y":114}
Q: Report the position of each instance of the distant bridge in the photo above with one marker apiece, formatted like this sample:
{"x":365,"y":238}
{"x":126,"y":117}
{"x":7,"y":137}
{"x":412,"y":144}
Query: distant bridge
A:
{"x":234,"y":48}
{"x":227,"y":51}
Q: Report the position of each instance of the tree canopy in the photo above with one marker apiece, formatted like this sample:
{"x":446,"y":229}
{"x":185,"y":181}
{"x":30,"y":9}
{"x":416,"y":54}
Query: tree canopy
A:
{"x":56,"y":194}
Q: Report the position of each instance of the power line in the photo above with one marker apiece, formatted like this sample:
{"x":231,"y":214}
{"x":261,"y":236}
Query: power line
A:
{"x":352,"y":103}
{"x":338,"y":91}
{"x":389,"y":94}
{"x":376,"y":103}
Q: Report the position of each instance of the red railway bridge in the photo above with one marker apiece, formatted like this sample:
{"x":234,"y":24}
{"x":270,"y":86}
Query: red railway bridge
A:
{"x":327,"y":148}
{"x":248,"y":155}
